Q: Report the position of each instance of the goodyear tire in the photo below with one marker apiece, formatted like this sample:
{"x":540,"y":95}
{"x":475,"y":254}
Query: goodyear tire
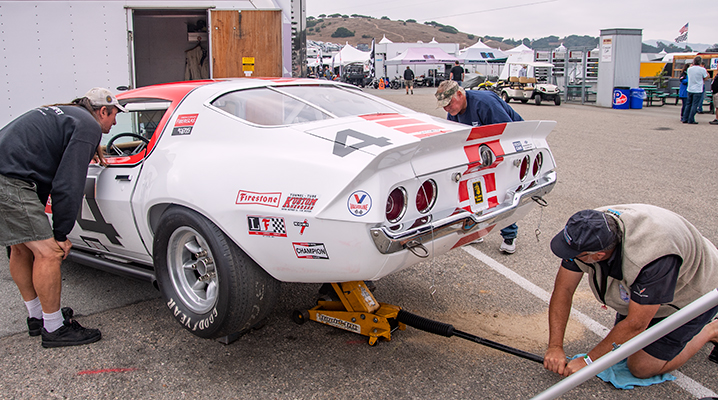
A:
{"x":210,"y":285}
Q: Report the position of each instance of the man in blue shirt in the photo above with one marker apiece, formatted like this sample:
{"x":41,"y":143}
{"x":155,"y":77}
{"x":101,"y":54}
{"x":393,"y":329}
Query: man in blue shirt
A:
{"x":476,"y":108}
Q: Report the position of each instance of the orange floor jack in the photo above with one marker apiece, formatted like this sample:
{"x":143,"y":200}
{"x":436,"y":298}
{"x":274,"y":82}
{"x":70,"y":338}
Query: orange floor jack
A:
{"x":356,"y":310}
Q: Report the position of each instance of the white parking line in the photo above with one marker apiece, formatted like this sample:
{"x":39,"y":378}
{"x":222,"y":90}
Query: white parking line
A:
{"x":688,"y":384}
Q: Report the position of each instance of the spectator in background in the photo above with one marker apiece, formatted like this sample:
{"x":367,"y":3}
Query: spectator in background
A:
{"x":714,"y":89}
{"x":696,"y":74}
{"x":457,"y":73}
{"x":409,"y":79}
{"x":683,"y":90}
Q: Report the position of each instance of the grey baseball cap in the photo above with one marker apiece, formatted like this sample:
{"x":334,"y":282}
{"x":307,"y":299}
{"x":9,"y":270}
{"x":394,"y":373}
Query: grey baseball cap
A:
{"x":102,"y":97}
{"x":445,"y":91}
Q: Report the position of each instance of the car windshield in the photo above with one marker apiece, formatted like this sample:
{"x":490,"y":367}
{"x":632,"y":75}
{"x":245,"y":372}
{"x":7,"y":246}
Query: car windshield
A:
{"x":286,"y":105}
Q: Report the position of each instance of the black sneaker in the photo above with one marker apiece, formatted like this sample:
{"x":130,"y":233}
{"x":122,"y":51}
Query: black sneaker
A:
{"x":713,"y":356}
{"x":34,"y":326}
{"x":71,"y":333}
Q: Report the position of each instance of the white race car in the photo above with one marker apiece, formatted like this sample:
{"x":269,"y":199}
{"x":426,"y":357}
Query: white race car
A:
{"x":218,"y":190}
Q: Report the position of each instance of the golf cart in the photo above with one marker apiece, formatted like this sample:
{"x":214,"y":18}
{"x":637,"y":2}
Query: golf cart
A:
{"x":525,"y":88}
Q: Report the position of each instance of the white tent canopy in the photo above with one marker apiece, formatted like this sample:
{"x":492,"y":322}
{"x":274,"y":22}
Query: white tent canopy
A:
{"x":422,"y":55}
{"x":522,"y":48}
{"x":384,"y":40}
{"x":349,"y":54}
{"x":481,"y":54}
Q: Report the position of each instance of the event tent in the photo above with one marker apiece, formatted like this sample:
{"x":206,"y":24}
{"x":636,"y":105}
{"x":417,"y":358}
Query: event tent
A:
{"x":481,"y":53}
{"x":422,"y":55}
{"x":522,"y":48}
{"x":349,"y":54}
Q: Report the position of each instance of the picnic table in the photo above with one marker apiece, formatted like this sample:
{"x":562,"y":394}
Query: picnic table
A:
{"x":574,"y":91}
{"x":652,"y":94}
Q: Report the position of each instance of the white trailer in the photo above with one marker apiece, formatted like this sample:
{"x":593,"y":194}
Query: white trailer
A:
{"x":54,"y":51}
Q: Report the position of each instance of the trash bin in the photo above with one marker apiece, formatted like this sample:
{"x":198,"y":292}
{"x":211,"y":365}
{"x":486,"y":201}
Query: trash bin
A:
{"x":637,"y":97}
{"x":620,"y":97}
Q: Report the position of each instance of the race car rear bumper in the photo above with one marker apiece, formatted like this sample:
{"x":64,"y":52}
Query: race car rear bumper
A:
{"x":462,"y":223}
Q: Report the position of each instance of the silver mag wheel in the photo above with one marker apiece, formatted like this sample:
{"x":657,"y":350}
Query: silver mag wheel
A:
{"x":210,"y":286}
{"x":191,"y":270}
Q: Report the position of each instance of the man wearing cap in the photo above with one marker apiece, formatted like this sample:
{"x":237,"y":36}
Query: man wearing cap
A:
{"x":45,"y":152}
{"x":476,"y":108}
{"x":646,"y":263}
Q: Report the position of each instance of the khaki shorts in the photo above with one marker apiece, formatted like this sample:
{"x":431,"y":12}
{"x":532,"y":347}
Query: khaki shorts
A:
{"x":715,"y":99}
{"x":22,"y":215}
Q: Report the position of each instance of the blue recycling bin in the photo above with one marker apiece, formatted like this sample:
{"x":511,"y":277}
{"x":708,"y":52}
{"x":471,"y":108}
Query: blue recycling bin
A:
{"x":621,"y":97}
{"x":637,"y":97}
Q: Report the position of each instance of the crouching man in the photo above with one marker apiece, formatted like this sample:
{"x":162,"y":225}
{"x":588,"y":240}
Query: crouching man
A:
{"x":646,"y":263}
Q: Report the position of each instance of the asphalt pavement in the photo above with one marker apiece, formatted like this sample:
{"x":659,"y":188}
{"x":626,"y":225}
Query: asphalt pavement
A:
{"x":604,"y":157}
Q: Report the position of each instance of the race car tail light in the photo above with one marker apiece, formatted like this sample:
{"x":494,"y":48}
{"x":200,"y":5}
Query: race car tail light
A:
{"x":426,"y":197}
{"x":538,"y":162}
{"x":524,"y":168}
{"x":396,"y":204}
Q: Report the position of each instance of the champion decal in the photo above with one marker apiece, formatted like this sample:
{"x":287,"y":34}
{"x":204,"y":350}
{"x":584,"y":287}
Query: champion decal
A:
{"x":314,"y":251}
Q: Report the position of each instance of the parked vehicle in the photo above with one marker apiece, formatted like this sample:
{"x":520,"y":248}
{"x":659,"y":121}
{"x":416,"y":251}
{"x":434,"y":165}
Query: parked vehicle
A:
{"x":526,"y":88}
{"x":219,"y":190}
{"x":354,"y":74}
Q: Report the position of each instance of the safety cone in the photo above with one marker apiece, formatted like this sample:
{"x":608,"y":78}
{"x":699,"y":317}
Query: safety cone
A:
{"x":381,"y":84}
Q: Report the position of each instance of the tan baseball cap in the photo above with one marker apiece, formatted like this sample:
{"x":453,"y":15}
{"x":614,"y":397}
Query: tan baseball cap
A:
{"x":102,"y":97}
{"x":445,"y":91}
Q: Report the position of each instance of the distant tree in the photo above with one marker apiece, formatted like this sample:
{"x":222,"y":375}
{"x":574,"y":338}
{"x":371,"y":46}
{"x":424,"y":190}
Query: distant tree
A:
{"x":345,"y":16}
{"x":385,"y":17}
{"x":366,"y":36}
{"x":495,"y":38}
{"x":310,"y":18}
{"x":342,"y":32}
{"x":322,"y":15}
{"x":449,"y":29}
{"x":337,"y":15}
{"x":526,"y":42}
{"x":470,"y":37}
{"x":411,"y":20}
{"x":311,"y":23}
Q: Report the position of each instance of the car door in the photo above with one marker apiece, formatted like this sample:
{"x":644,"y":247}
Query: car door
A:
{"x":106,"y":221}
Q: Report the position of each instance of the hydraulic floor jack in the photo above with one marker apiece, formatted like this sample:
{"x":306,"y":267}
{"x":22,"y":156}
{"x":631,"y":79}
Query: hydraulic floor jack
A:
{"x":356,"y":310}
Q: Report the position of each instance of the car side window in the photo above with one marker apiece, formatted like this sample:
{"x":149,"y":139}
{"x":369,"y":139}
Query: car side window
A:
{"x":267,"y":107}
{"x":140,"y":121}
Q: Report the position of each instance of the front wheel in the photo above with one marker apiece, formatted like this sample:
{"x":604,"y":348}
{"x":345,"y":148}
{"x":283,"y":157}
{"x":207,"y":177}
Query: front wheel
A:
{"x":210,"y":285}
{"x":506,"y":97}
{"x":537,"y":99}
{"x":557,"y":100}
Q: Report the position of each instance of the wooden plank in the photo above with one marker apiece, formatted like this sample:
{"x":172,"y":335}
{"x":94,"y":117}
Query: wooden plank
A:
{"x":249,"y":33}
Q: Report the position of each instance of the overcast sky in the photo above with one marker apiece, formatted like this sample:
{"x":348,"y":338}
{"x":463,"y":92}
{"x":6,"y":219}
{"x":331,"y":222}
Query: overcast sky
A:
{"x":659,"y":19}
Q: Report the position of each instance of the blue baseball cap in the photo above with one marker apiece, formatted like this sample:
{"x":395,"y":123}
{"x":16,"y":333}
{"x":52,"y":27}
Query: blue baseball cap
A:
{"x":587,"y":230}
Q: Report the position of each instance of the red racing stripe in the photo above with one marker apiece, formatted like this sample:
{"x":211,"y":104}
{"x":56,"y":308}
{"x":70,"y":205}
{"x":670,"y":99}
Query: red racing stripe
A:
{"x":486,"y":131}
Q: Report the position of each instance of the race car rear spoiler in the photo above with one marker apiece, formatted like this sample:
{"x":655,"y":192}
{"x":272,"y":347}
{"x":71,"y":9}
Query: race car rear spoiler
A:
{"x":463,"y":223}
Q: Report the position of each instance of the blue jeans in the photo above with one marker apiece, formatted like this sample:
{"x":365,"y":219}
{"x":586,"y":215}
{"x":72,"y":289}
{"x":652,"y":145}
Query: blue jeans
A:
{"x":510,"y":232}
{"x":684,"y":102}
{"x":694,"y":100}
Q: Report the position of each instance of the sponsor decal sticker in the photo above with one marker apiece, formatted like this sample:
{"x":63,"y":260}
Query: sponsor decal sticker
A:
{"x":315,"y":251}
{"x":339,"y":323}
{"x":518,"y":147}
{"x":184,"y":124}
{"x":478,"y":194}
{"x":263,"y":199}
{"x":303,"y":225}
{"x":300,"y":202}
{"x":619,"y":98}
{"x":266,"y":226}
{"x":359,"y":203}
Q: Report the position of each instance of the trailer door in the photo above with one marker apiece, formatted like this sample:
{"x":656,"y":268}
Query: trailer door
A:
{"x":253,"y":34}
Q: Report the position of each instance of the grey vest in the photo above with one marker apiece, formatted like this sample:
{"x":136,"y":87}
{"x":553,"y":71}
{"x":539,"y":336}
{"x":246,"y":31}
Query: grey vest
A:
{"x":649,"y":233}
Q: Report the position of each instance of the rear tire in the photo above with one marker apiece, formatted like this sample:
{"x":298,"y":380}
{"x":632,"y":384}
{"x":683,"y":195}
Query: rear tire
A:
{"x":210,"y":285}
{"x":506,"y":97}
{"x":537,"y":99}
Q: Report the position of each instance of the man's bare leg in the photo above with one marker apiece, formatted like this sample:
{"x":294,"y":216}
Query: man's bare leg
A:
{"x":642,"y":365}
{"x":35,"y":268}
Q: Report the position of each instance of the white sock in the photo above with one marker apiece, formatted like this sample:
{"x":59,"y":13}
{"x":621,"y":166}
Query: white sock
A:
{"x":52,"y":321}
{"x":34,"y":308}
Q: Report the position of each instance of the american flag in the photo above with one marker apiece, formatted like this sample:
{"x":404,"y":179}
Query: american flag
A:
{"x":684,"y":29}
{"x":683,"y":34}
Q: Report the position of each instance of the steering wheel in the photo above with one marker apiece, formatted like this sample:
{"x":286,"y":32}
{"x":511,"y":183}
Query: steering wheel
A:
{"x":120,"y":152}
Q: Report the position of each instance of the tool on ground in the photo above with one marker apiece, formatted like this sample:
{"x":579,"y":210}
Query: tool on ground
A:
{"x":353,"y":308}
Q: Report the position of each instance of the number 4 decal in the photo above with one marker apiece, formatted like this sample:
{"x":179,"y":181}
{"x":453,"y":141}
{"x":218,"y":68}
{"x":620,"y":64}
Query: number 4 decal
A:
{"x":99,"y":225}
{"x":341,"y":148}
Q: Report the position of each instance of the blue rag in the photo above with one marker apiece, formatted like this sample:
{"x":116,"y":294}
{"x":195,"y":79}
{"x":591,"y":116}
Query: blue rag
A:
{"x":622,"y":378}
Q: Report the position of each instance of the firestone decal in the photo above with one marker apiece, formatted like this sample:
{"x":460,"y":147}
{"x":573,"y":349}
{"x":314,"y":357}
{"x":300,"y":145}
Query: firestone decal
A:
{"x":266,"y":226}
{"x":300,"y":202}
{"x":359,"y":203}
{"x":315,"y":251}
{"x":263,"y":199}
